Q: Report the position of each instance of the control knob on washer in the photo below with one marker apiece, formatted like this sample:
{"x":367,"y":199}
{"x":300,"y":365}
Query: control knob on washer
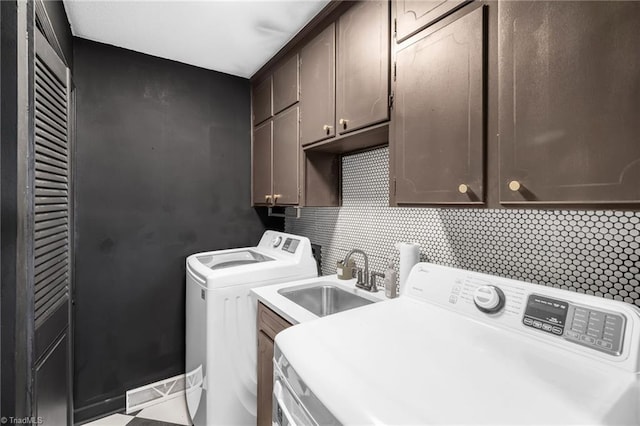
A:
{"x":489,"y":299}
{"x":276,"y":241}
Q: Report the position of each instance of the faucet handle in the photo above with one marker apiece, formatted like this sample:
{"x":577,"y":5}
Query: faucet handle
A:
{"x":360,"y":276}
{"x":373,"y":284}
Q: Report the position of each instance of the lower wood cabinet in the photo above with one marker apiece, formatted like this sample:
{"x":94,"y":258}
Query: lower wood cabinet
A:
{"x":569,"y":78}
{"x":269,"y":324}
{"x":437,"y":129}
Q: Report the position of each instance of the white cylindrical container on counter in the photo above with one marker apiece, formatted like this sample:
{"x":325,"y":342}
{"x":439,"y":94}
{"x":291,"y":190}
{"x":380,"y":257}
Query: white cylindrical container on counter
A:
{"x":409,"y":256}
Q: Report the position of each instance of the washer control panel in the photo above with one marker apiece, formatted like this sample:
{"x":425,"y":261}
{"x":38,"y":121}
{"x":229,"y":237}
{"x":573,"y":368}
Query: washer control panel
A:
{"x":599,"y":330}
{"x":276,"y":241}
{"x":290,"y":245}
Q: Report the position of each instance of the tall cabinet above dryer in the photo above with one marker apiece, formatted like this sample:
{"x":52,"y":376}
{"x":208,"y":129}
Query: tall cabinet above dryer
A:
{"x":275,"y":148}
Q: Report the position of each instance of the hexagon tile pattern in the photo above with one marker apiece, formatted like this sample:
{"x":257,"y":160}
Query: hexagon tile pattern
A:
{"x":592,"y":252}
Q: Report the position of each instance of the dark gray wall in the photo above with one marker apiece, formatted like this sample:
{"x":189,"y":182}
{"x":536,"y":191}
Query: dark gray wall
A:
{"x":162,"y":171}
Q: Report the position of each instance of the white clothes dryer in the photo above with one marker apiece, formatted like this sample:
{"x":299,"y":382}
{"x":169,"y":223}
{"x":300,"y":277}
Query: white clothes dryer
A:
{"x":463,"y":348}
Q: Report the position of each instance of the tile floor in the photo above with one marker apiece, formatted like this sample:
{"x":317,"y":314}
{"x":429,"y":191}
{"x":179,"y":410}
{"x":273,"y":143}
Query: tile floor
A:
{"x":167,"y":413}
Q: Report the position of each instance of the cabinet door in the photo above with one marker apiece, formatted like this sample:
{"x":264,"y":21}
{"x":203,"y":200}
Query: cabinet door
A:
{"x":569,"y":102}
{"x":285,"y":85}
{"x":362,"y":82}
{"x":265,"y":379}
{"x":268,"y":324}
{"x":414,"y":15}
{"x":285,"y":157}
{"x":438,"y":125}
{"x":317,"y":87}
{"x":262,"y":101}
{"x":262,"y":136}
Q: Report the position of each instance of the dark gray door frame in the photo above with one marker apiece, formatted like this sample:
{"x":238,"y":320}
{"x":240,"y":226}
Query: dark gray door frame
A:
{"x":16,"y":296}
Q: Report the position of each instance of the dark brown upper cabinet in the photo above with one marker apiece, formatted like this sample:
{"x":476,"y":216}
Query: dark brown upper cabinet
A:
{"x":262,"y":101}
{"x":362,"y":75}
{"x":313,"y":178}
{"x":317,"y":87}
{"x":286,"y":148}
{"x":414,"y":15}
{"x":437,"y":136}
{"x":569,"y":103}
{"x":275,"y":163}
{"x":276,"y":144}
{"x":261,"y":162}
{"x":285,"y":85}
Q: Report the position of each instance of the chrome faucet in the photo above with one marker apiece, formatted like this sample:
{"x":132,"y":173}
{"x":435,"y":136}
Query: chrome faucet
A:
{"x":363,"y":276}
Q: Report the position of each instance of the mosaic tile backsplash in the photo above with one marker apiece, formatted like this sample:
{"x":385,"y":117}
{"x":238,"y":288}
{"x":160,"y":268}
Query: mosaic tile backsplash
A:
{"x":593,"y":252}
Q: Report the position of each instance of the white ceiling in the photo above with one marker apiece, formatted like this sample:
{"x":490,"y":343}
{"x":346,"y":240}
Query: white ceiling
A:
{"x":234,"y":37}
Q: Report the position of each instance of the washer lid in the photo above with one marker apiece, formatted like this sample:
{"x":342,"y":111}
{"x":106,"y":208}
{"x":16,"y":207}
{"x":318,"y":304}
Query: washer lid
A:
{"x":228,"y":260}
{"x":405,"y":362}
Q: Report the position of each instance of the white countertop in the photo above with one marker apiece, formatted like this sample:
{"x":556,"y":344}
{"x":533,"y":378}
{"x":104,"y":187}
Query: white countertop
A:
{"x":295,"y":313}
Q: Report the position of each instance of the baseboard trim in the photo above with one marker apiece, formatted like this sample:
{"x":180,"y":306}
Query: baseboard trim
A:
{"x":99,"y":409}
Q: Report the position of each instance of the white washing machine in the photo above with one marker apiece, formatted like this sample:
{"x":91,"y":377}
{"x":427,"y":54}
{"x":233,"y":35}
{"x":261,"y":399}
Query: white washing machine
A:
{"x":221,"y":323}
{"x":464,"y":348}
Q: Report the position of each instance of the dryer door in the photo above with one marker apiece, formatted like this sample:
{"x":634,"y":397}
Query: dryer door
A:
{"x":287,"y":409}
{"x":293,"y":402}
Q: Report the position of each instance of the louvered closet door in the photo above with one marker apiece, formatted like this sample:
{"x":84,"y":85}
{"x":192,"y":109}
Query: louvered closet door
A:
{"x":52,"y":235}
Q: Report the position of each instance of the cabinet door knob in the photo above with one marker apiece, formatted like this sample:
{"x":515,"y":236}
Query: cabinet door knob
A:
{"x":267,"y":198}
{"x":276,"y":196}
{"x":514,"y":185}
{"x":462,"y":188}
{"x":343,"y":123}
{"x":327,"y":128}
